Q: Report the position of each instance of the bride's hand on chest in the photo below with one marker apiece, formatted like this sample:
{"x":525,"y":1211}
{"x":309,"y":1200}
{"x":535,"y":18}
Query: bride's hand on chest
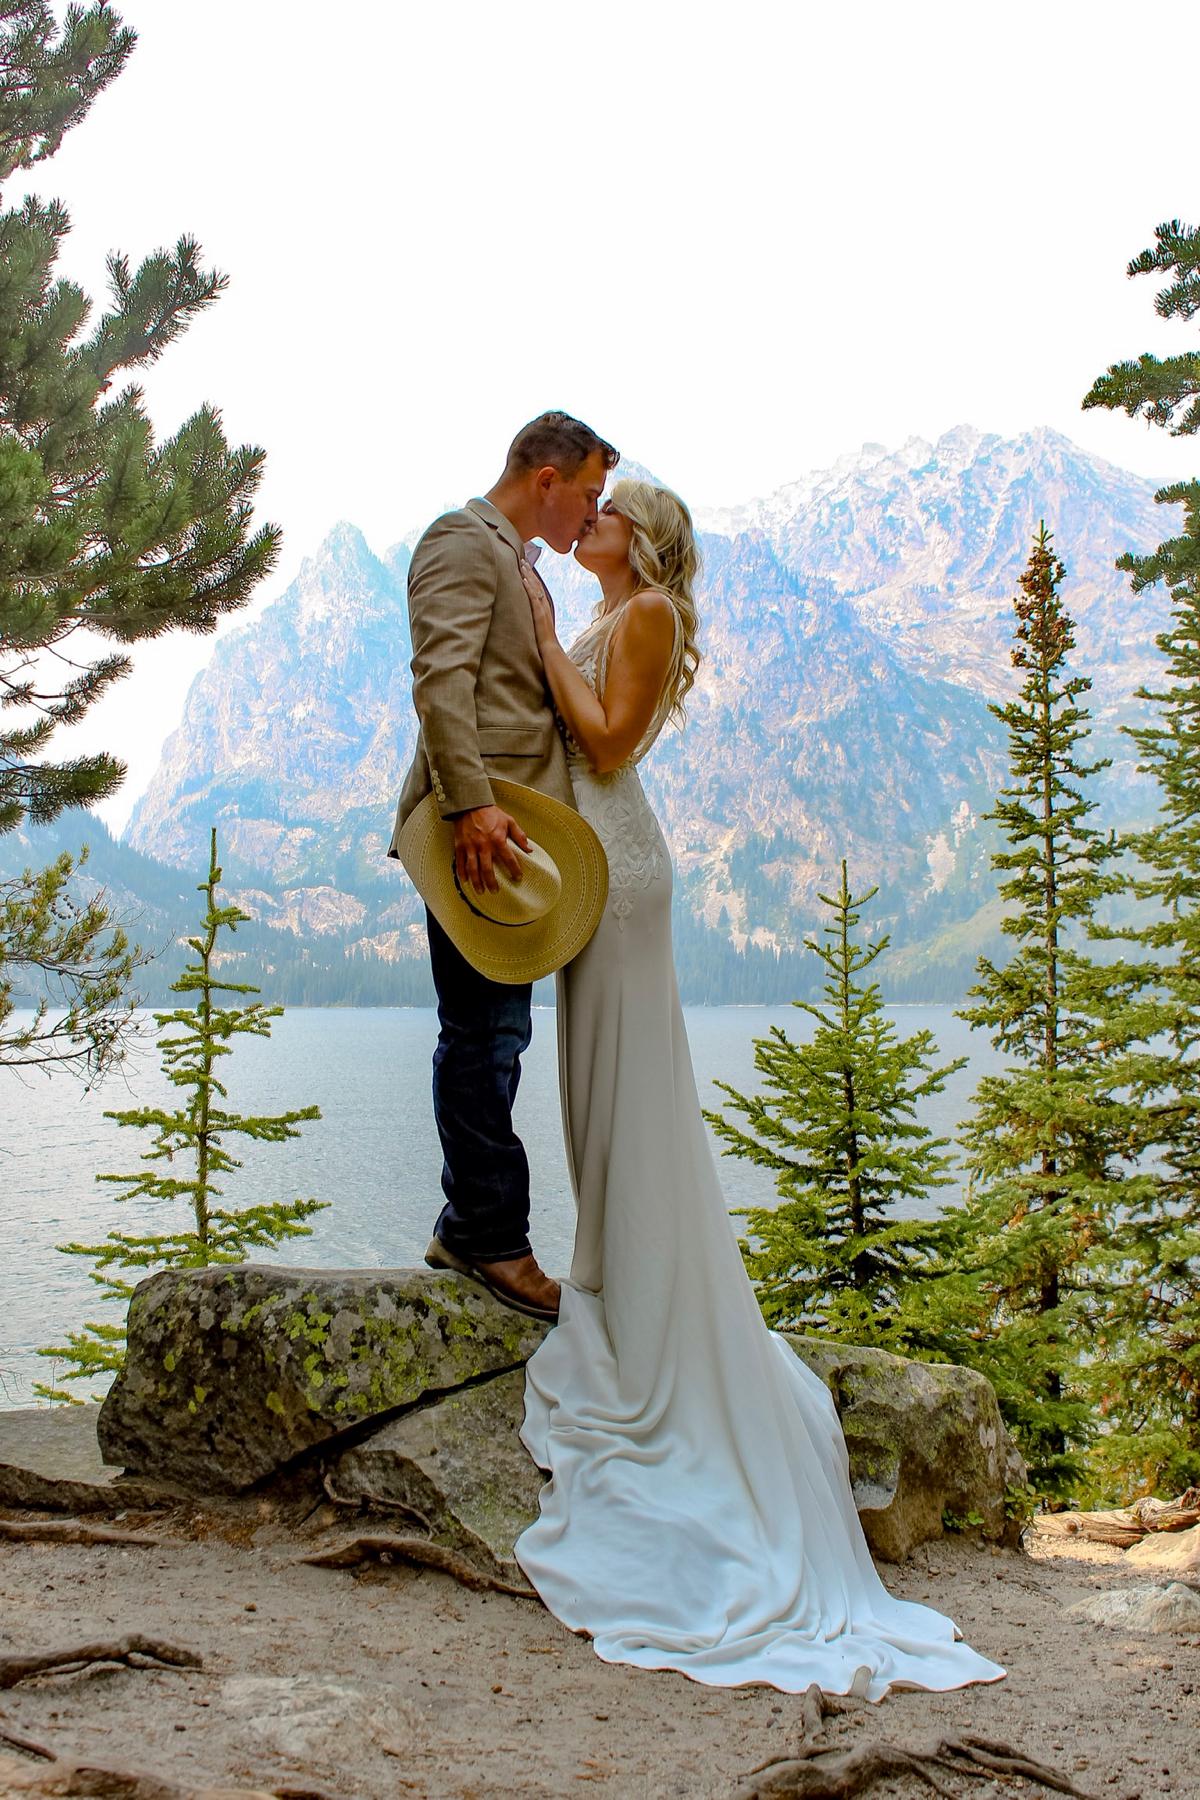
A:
{"x":540,"y":604}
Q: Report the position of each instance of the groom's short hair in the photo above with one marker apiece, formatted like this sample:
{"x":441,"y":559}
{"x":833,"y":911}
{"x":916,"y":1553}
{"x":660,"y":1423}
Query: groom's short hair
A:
{"x":557,"y":441}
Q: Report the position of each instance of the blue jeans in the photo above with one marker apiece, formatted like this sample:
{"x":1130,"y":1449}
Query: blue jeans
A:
{"x":485,"y":1026}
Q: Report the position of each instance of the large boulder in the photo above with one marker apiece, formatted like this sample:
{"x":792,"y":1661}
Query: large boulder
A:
{"x":927,"y":1446}
{"x":408,"y":1386}
{"x":926,"y":1443}
{"x":232,"y":1372}
{"x":458,"y":1467}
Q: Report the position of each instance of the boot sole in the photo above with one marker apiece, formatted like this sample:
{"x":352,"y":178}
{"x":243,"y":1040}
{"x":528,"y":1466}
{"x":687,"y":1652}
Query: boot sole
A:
{"x":438,"y":1256}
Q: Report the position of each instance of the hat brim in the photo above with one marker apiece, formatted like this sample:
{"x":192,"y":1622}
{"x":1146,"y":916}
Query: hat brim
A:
{"x":512,"y":953}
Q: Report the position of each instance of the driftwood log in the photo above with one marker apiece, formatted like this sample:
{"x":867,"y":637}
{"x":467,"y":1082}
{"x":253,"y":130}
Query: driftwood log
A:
{"x":1126,"y":1525}
{"x":417,"y":1551}
{"x":1169,"y":1515}
{"x":134,"y":1650}
{"x":1120,"y":1528}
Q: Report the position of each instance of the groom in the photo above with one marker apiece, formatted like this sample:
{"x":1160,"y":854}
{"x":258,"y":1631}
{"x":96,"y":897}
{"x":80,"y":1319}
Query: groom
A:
{"x":481,"y":699}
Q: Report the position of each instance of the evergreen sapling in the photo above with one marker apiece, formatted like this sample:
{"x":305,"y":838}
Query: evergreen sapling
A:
{"x":189,"y":1151}
{"x":837,"y":1124}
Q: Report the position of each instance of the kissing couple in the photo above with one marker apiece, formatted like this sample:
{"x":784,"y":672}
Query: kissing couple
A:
{"x":698,"y":1515}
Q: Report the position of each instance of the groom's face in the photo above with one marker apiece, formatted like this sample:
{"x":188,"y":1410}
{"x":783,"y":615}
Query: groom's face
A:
{"x":570,"y":502}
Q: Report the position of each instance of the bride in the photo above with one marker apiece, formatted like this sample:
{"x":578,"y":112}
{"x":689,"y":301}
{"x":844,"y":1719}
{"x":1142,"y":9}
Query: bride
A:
{"x":699,"y":1514}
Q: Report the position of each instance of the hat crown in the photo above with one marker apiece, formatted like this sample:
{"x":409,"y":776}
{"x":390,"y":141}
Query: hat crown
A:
{"x":559,"y":899}
{"x":521,"y":902}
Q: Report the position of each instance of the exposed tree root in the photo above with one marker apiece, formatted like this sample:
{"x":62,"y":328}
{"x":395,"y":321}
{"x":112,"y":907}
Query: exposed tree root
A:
{"x":69,"y":1531}
{"x":815,"y":1707}
{"x":418,"y":1551}
{"x":818,"y":1773}
{"x":367,"y":1498}
{"x":27,"y":1746}
{"x":134,"y":1650}
{"x":86,"y":1780}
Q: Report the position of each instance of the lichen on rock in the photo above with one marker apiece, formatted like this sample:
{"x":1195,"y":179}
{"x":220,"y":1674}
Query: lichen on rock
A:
{"x":408,"y":1386}
{"x":926,"y":1442}
{"x":232,"y":1372}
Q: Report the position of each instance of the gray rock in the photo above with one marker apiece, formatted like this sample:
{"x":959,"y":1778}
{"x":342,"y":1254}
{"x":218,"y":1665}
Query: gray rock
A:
{"x":924,"y":1441}
{"x":1174,"y":1609}
{"x":49,"y":1459}
{"x":1176,"y":1550}
{"x":232,"y":1372}
{"x":926,"y":1444}
{"x":460,"y":1465}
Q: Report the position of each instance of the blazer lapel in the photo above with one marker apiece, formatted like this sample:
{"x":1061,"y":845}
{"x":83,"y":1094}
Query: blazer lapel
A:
{"x":491,"y":515}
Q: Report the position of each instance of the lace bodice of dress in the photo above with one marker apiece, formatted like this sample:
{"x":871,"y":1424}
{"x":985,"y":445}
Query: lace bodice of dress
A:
{"x":590,"y":654}
{"x":615,"y":804}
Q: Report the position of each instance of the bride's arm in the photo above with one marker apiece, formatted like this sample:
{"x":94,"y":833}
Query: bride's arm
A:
{"x":608,"y":728}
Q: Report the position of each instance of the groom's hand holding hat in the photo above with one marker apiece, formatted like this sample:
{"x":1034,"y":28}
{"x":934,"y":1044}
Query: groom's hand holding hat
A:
{"x":513,"y":928}
{"x":481,"y":838}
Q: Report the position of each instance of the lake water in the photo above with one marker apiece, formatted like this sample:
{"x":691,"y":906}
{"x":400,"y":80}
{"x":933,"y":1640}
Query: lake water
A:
{"x":373,"y":1155}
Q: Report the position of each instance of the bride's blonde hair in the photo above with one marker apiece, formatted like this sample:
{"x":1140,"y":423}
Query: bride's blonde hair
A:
{"x":664,"y":554}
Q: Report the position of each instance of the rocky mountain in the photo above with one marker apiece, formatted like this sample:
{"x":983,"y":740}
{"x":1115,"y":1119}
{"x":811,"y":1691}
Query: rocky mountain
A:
{"x":856,"y":626}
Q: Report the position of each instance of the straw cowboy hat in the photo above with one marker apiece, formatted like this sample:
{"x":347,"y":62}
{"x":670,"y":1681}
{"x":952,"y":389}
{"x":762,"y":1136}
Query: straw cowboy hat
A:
{"x":531,"y":927}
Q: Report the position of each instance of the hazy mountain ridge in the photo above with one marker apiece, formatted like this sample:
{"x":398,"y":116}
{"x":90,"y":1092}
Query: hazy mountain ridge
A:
{"x":855,"y":626}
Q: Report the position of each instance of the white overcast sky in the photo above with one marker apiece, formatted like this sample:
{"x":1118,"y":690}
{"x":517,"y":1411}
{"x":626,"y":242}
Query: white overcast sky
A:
{"x":738,"y":239}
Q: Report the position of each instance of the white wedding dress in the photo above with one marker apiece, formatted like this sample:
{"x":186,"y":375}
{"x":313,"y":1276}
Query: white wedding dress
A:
{"x":699,"y":1515}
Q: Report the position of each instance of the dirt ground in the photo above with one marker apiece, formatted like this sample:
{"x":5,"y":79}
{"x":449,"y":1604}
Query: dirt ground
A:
{"x":398,"y":1682}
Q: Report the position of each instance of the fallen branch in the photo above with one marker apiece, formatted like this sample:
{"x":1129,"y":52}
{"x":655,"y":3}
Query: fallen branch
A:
{"x":68,"y":1531}
{"x":1002,"y":1759}
{"x":151,"y":1651}
{"x":818,"y":1773}
{"x":418,"y":1551}
{"x":815,"y":1708}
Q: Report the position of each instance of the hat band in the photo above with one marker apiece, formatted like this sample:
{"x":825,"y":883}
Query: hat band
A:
{"x":502,"y":924}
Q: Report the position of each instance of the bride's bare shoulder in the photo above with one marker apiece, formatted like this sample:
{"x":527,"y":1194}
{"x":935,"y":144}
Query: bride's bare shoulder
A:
{"x":649,"y":613}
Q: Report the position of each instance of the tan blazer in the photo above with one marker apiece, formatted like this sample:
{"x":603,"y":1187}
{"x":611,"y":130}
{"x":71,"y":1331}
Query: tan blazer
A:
{"x":478,"y":683}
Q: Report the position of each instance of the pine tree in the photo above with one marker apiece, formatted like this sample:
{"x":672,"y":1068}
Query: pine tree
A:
{"x":1151,"y":1346}
{"x":67,"y":961}
{"x":107,"y":537}
{"x":192,"y":1041}
{"x":1050,"y":1140}
{"x":837,"y":1124}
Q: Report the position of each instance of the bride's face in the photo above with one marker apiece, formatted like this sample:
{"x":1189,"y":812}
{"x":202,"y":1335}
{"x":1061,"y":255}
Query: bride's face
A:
{"x":605,"y":547}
